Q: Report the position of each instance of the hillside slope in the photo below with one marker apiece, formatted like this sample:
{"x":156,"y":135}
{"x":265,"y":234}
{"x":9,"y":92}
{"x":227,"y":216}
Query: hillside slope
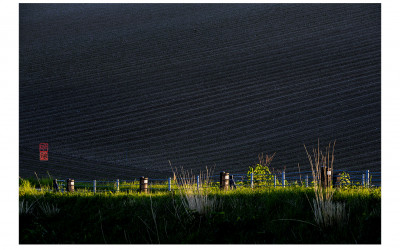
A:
{"x":119,"y":90}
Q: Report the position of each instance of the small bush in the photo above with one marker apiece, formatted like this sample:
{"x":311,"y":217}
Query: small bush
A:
{"x":344,"y":180}
{"x":262,"y":176}
{"x":26,"y":187}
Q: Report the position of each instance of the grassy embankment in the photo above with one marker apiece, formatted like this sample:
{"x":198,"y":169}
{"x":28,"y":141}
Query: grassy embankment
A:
{"x":261,"y":215}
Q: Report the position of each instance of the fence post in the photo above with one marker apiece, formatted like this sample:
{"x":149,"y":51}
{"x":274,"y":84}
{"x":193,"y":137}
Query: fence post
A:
{"x":232,"y":183}
{"x":274,"y":180}
{"x":169,"y":184}
{"x":329,"y":176}
{"x":198,"y":182}
{"x":323,"y":176}
{"x":363,"y":180}
{"x":70,"y":185}
{"x":224,"y":180}
{"x":283,"y":179}
{"x":221,"y":179}
{"x":94,"y":186}
{"x":55,"y":185}
{"x":251,"y":180}
{"x":306,"y":180}
{"x":117,"y":185}
{"x":144,"y":181}
{"x":367,"y":178}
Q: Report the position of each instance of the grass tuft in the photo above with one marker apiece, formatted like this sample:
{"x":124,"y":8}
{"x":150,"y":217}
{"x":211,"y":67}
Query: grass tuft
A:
{"x":25,"y":207}
{"x":196,"y":198}
{"x":327,"y":213}
{"x":48,"y":209}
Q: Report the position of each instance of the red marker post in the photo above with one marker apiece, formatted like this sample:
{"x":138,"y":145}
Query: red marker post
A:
{"x":44,"y":151}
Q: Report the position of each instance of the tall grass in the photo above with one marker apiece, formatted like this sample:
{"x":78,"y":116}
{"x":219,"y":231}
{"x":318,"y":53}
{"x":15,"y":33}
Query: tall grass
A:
{"x":25,"y":207}
{"x":48,"y":209}
{"x":327,"y":213}
{"x":196,"y":196}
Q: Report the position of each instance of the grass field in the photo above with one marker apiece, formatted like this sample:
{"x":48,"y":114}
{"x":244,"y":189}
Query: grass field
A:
{"x":209,"y":216}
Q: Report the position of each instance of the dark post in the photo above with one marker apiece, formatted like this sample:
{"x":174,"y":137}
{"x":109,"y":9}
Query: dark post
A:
{"x":323,"y":176}
{"x":326,"y":176}
{"x":329,"y":174}
{"x":232,"y":183}
{"x":221,"y":177}
{"x":144,"y":181}
{"x":224,"y":180}
{"x":55,"y":185}
{"x":70,"y":185}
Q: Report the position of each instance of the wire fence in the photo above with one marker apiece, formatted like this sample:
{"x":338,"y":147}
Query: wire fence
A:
{"x":339,"y":178}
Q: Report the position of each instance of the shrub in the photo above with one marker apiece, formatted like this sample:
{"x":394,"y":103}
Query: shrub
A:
{"x":26,"y":187}
{"x":261,"y":174}
{"x":344,"y":180}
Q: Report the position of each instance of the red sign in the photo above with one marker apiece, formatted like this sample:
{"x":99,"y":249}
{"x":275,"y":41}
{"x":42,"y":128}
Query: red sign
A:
{"x":44,"y":151}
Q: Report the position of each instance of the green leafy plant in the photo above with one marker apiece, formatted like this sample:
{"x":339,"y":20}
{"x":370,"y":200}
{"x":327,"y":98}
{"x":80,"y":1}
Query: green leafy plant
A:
{"x":25,"y":187}
{"x":261,"y":174}
{"x":344,"y":180}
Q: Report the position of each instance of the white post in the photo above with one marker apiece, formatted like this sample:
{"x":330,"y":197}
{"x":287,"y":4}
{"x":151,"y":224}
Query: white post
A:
{"x":306,"y":180}
{"x":198,"y":183}
{"x":251,"y":180}
{"x":283,"y":179}
{"x":367,"y":178}
{"x":274,"y":180}
{"x":94,"y":186}
{"x":117,"y":185}
{"x":169,"y":184}
{"x":363,"y":180}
